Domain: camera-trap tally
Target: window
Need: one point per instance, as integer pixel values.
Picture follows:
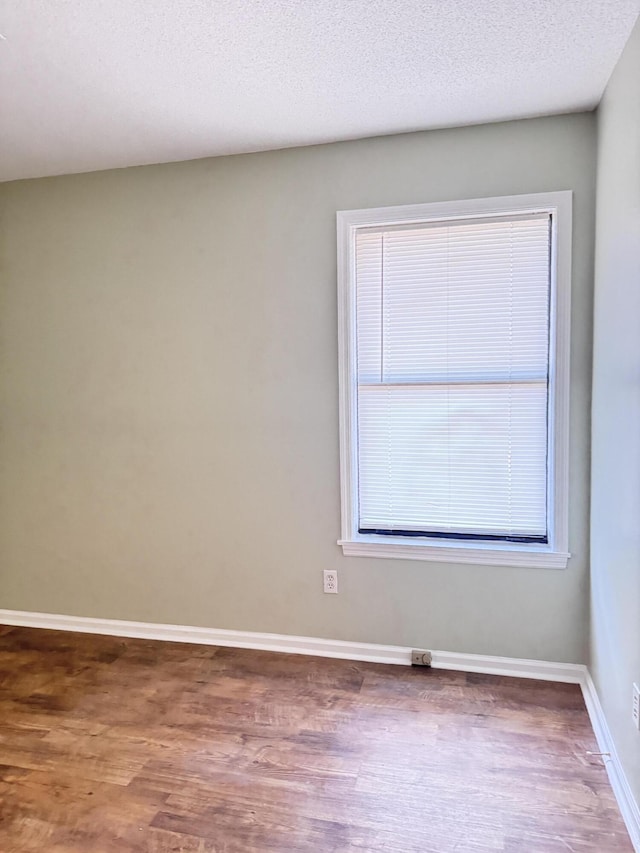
(454, 351)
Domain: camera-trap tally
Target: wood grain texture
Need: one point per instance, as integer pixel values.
(110, 744)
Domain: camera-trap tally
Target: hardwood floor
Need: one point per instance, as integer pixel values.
(130, 745)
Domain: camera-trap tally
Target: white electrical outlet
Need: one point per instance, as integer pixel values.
(330, 580)
(635, 708)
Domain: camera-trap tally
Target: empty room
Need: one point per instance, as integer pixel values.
(319, 426)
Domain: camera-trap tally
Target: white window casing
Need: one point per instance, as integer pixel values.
(454, 324)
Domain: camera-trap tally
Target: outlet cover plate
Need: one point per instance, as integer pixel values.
(420, 657)
(330, 580)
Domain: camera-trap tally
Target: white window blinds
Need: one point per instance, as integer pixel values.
(452, 328)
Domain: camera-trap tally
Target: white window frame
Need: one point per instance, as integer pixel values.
(535, 555)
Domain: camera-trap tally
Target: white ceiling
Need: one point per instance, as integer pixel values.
(95, 84)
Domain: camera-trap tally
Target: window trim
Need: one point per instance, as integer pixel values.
(555, 553)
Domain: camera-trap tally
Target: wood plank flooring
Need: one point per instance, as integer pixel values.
(110, 745)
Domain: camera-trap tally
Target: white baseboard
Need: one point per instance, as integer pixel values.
(372, 652)
(210, 636)
(541, 670)
(621, 789)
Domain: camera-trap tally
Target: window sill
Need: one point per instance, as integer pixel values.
(491, 554)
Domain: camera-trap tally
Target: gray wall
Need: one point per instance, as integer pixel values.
(168, 394)
(615, 515)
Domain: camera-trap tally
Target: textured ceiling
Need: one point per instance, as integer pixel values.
(94, 84)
